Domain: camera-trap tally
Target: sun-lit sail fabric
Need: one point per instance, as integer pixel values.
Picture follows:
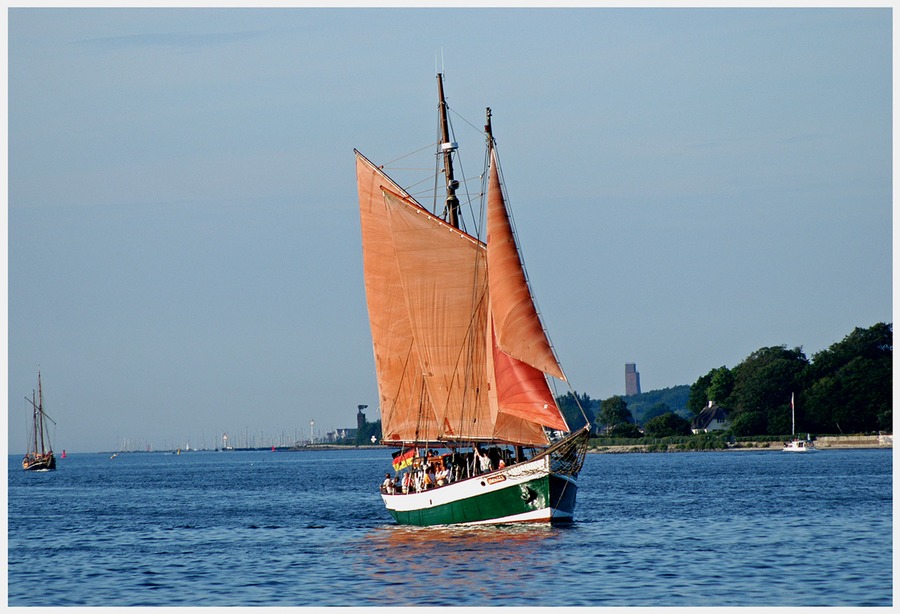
(426, 292)
(521, 353)
(522, 391)
(517, 324)
(442, 271)
(505, 413)
(406, 411)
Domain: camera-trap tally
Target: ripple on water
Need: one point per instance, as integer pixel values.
(308, 529)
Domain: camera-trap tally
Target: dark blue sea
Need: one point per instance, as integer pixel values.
(752, 528)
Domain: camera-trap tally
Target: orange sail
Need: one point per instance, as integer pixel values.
(522, 391)
(440, 376)
(520, 350)
(406, 413)
(443, 280)
(518, 326)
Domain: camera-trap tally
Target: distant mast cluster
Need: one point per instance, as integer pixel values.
(632, 379)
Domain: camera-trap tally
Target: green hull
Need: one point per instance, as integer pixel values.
(548, 498)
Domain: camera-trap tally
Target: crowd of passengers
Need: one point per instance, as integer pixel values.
(435, 470)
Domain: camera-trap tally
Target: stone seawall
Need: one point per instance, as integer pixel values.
(822, 443)
(855, 441)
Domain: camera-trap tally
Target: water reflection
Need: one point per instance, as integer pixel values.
(454, 565)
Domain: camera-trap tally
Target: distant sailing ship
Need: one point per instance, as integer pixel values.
(39, 456)
(461, 359)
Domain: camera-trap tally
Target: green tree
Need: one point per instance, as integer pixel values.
(720, 386)
(613, 411)
(763, 384)
(571, 405)
(368, 430)
(644, 404)
(749, 423)
(667, 425)
(626, 430)
(657, 410)
(848, 387)
(697, 398)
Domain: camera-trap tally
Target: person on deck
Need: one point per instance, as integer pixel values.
(420, 481)
(407, 482)
(443, 476)
(483, 461)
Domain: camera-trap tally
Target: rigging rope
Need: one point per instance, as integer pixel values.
(412, 153)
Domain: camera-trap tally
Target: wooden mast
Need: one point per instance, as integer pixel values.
(34, 420)
(40, 409)
(447, 148)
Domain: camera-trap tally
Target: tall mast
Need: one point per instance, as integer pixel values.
(447, 148)
(40, 410)
(792, 413)
(34, 422)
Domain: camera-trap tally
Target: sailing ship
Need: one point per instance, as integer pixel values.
(462, 359)
(796, 444)
(39, 456)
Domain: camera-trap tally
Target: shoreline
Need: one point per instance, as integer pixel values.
(826, 442)
(830, 442)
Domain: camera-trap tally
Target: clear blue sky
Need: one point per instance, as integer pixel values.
(184, 257)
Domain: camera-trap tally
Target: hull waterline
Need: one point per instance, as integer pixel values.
(542, 489)
(799, 446)
(41, 464)
(521, 493)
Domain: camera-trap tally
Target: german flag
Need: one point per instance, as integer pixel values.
(403, 459)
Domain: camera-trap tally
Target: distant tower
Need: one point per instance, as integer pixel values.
(360, 416)
(632, 379)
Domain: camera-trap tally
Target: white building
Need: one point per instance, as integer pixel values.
(712, 418)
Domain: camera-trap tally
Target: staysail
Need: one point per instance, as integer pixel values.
(439, 321)
(518, 327)
(520, 349)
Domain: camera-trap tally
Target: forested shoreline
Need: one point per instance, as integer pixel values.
(846, 388)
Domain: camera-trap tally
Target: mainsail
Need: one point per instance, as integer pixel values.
(460, 353)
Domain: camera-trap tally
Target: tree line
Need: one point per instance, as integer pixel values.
(845, 388)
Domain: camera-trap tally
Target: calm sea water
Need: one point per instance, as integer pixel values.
(309, 529)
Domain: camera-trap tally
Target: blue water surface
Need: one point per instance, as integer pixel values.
(751, 528)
